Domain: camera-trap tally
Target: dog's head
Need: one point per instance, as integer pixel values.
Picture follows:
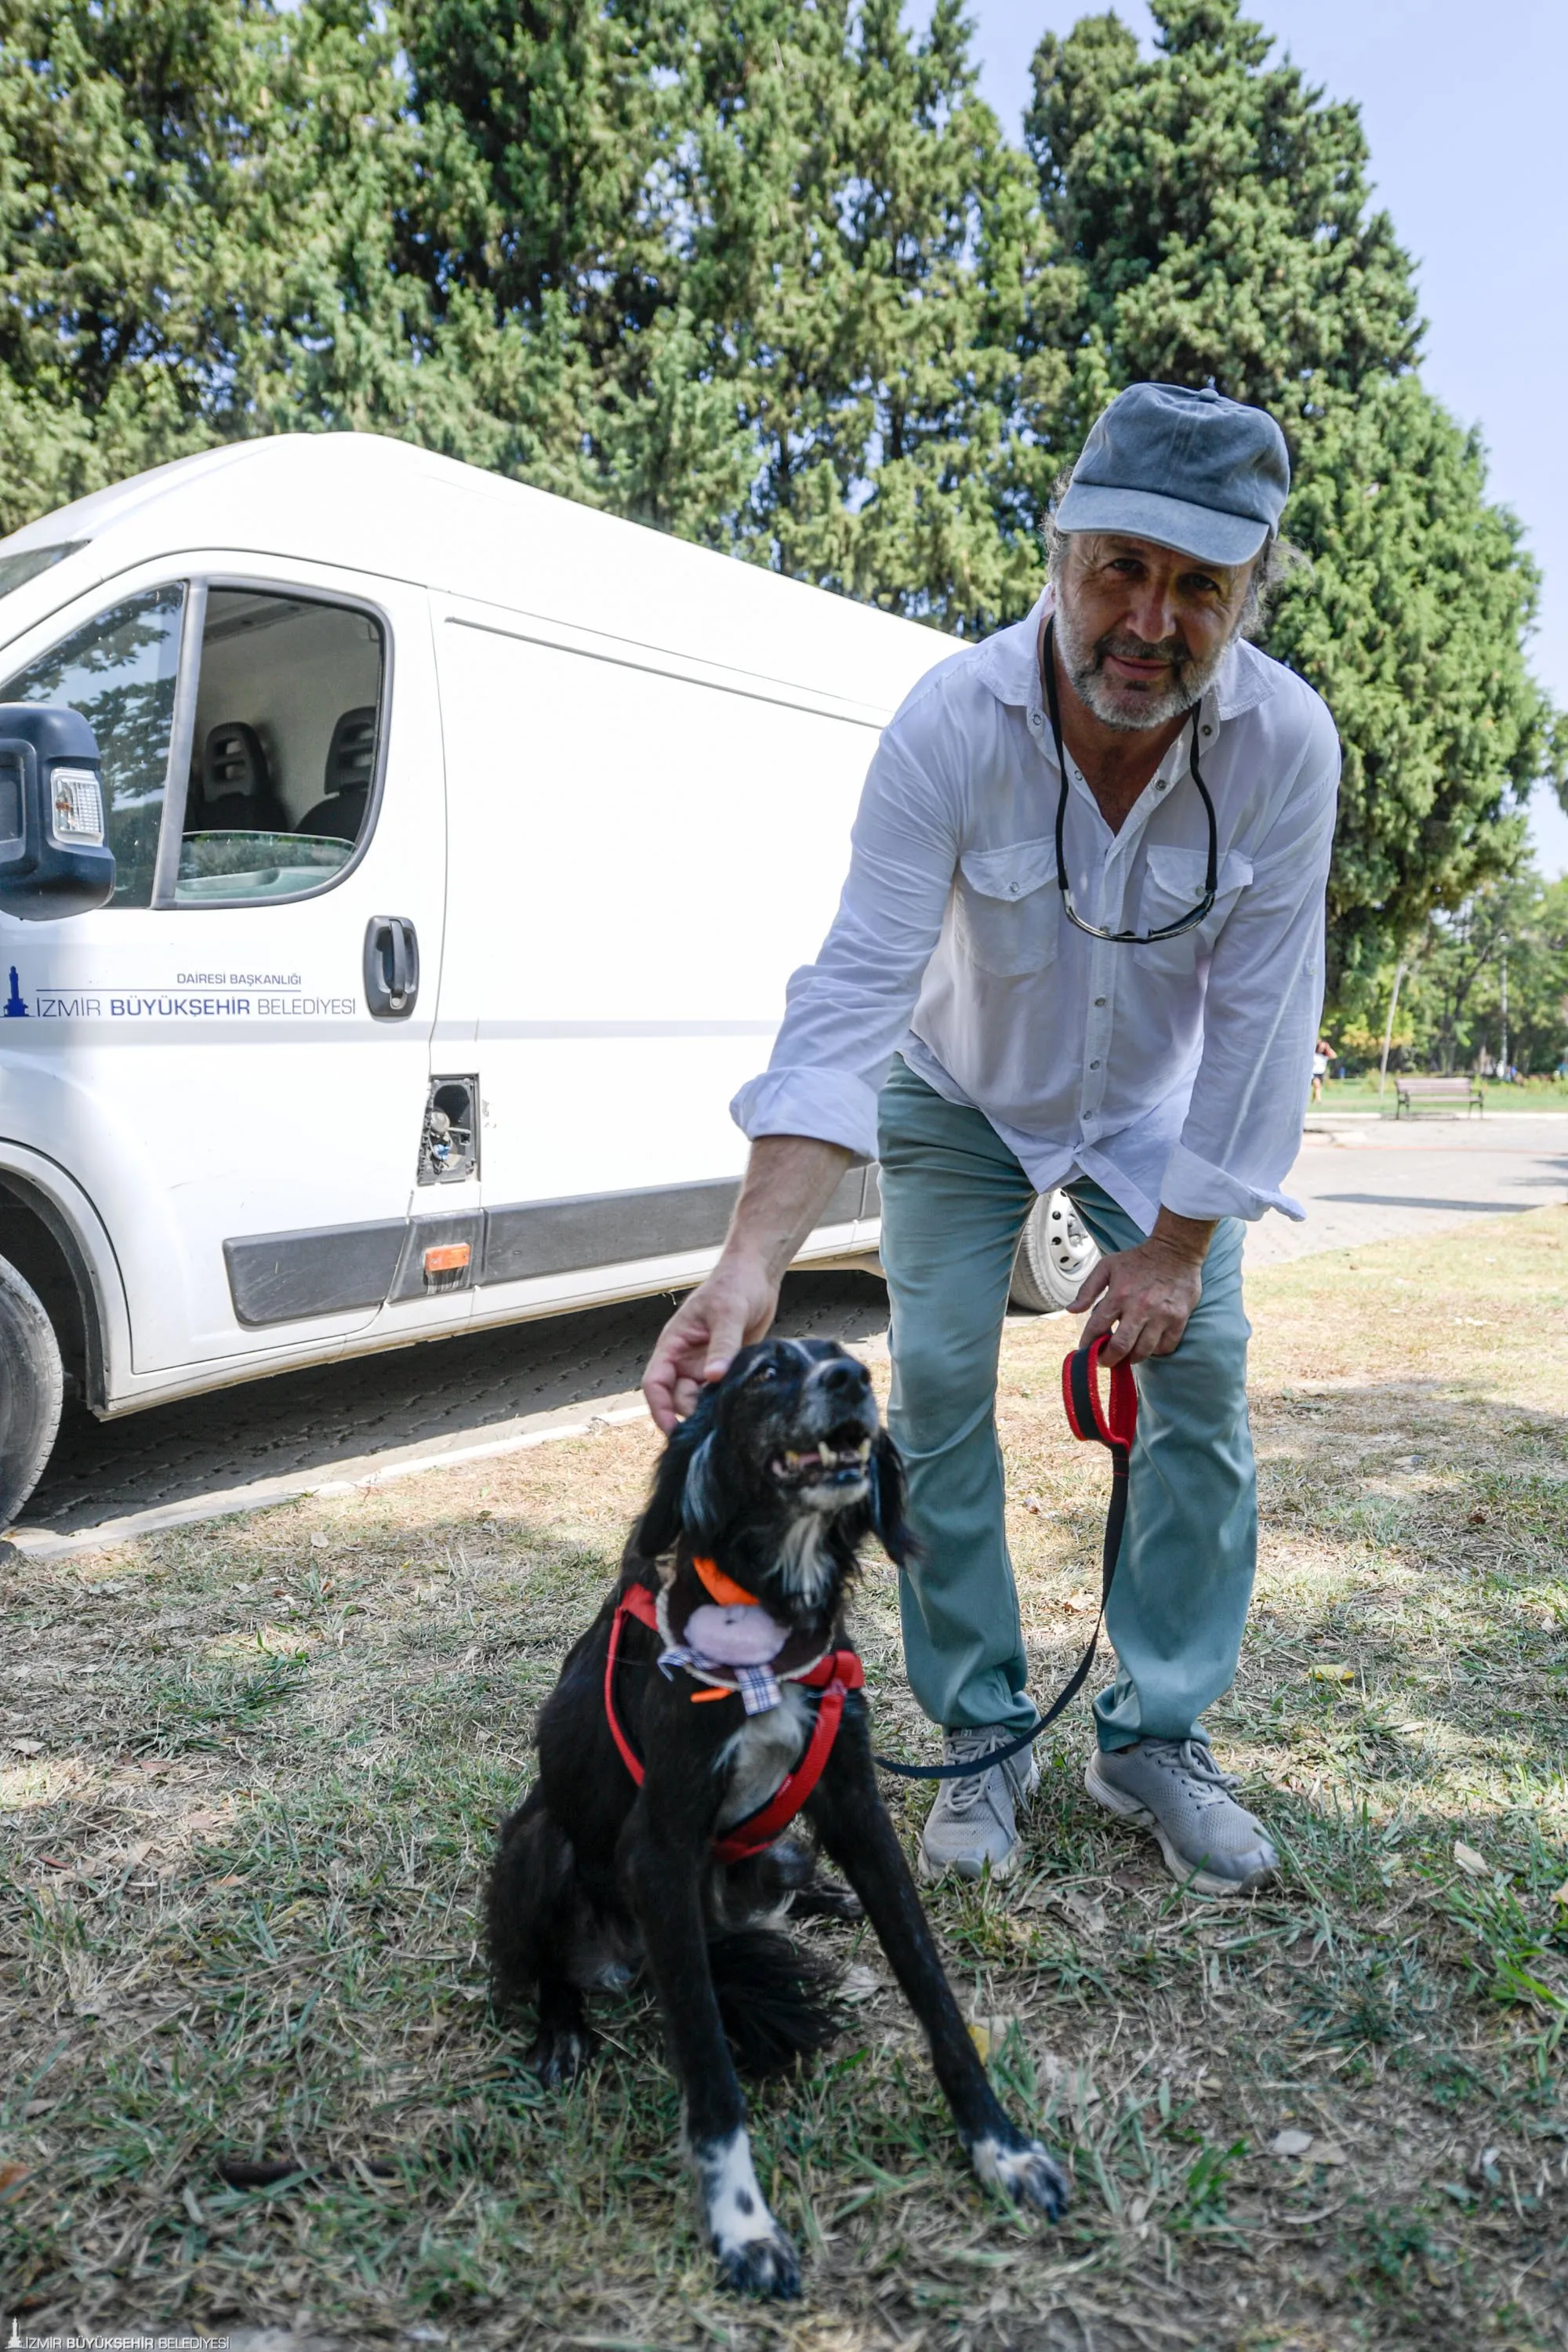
(785, 1462)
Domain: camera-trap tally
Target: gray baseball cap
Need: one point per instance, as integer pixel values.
(1189, 469)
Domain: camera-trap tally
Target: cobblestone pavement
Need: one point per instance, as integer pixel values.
(1362, 1180)
(440, 1397)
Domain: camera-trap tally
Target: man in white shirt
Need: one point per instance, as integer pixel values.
(1080, 944)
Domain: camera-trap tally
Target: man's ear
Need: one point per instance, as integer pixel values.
(885, 1504)
(681, 1485)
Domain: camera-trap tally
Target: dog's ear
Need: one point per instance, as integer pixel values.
(885, 1503)
(680, 1499)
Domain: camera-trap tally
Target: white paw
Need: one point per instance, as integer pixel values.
(760, 2266)
(754, 2254)
(1025, 2172)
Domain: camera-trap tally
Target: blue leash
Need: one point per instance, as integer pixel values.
(1115, 1429)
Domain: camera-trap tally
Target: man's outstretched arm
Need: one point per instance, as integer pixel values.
(789, 1182)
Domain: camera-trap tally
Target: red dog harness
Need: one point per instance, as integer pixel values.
(833, 1677)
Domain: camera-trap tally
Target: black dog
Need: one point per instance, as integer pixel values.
(766, 1491)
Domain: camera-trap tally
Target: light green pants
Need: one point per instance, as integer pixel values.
(953, 1203)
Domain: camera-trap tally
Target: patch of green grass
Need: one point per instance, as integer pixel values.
(246, 1833)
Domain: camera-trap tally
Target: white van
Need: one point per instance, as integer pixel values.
(463, 841)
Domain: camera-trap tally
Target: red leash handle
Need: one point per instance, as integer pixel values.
(1116, 1427)
(1087, 1417)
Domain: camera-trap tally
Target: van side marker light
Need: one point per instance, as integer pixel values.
(77, 805)
(450, 1257)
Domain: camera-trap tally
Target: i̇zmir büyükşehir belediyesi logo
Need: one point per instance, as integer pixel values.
(15, 1005)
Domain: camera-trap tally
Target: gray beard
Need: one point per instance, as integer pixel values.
(1132, 714)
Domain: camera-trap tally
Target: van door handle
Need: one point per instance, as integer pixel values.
(391, 967)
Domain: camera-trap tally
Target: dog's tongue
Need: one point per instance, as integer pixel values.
(742, 1635)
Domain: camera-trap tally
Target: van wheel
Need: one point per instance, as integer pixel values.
(1055, 1252)
(32, 1383)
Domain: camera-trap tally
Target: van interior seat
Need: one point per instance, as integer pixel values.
(351, 764)
(233, 790)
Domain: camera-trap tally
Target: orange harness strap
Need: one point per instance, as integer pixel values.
(832, 1679)
(721, 1587)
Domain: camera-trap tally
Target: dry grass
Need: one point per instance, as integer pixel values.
(250, 1774)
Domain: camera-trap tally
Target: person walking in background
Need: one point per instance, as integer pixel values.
(1080, 944)
(1322, 1054)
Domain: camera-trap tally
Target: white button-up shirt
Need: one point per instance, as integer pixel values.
(1176, 1073)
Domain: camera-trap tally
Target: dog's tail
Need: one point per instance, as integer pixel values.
(777, 2000)
(529, 1890)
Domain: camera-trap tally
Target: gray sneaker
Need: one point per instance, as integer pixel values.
(974, 1821)
(1174, 1789)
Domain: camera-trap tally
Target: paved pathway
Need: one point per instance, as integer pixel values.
(1362, 1180)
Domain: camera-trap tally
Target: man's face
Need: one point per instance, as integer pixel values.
(1140, 628)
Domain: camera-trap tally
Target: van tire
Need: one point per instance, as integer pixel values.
(32, 1386)
(1055, 1252)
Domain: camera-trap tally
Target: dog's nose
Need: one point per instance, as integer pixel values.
(844, 1377)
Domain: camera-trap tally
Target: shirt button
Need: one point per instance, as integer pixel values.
(1094, 1066)
(1099, 1000)
(1209, 731)
(1161, 785)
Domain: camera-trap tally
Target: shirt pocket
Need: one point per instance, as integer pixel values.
(1173, 886)
(1006, 915)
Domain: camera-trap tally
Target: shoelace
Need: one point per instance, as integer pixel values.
(962, 1795)
(1194, 1760)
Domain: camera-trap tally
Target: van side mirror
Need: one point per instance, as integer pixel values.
(53, 860)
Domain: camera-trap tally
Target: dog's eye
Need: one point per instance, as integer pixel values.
(764, 1372)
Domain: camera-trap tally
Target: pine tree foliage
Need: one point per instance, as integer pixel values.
(778, 260)
(1217, 210)
(770, 277)
(195, 232)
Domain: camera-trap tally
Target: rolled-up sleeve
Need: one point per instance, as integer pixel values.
(846, 1013)
(1261, 1011)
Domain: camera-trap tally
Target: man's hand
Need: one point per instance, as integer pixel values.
(1143, 1297)
(709, 1329)
(789, 1182)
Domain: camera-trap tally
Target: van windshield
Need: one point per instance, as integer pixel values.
(15, 570)
(118, 669)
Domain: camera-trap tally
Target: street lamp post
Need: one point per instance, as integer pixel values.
(1388, 1032)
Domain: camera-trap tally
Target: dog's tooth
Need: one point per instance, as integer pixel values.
(863, 1450)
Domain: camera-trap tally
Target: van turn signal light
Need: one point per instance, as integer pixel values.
(451, 1257)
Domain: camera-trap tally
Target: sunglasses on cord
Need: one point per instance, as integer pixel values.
(1211, 877)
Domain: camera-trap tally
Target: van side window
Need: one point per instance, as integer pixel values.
(283, 755)
(119, 671)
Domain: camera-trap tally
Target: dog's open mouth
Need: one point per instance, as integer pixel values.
(838, 1460)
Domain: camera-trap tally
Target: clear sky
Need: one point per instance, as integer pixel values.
(1464, 115)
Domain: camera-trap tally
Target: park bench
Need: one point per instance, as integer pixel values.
(1408, 1092)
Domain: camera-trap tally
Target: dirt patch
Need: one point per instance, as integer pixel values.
(250, 1775)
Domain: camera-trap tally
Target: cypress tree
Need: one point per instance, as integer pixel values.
(196, 209)
(1217, 215)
